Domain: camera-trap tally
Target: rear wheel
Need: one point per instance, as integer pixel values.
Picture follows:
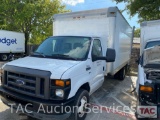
(120, 74)
(4, 57)
(81, 102)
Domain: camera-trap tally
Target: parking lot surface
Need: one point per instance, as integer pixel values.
(113, 94)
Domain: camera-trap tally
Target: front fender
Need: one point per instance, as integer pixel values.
(77, 83)
(141, 75)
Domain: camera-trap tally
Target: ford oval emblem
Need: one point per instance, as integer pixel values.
(20, 82)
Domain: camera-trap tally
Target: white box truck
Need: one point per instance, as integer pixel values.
(71, 65)
(11, 42)
(148, 87)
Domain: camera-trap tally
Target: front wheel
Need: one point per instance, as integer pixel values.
(80, 105)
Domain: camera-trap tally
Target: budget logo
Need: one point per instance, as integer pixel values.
(7, 41)
(147, 111)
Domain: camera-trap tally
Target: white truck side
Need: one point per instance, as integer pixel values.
(71, 65)
(147, 86)
(11, 42)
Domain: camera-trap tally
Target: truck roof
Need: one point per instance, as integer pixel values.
(150, 23)
(103, 11)
(76, 36)
(110, 12)
(10, 31)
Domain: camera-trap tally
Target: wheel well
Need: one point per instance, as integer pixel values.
(86, 87)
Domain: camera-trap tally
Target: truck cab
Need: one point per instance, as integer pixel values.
(148, 84)
(63, 71)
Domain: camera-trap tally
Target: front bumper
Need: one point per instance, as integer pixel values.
(142, 104)
(37, 108)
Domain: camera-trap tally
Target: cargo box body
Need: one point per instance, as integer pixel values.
(108, 24)
(11, 42)
(149, 32)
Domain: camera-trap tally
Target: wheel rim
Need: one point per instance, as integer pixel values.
(4, 57)
(82, 105)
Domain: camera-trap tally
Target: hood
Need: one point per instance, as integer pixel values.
(56, 66)
(151, 56)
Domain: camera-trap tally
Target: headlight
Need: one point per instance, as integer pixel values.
(59, 93)
(59, 89)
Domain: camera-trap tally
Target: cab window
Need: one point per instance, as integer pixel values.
(97, 48)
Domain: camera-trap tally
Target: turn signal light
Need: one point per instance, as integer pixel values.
(59, 83)
(146, 89)
(68, 83)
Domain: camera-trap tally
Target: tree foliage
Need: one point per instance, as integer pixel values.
(137, 33)
(146, 9)
(32, 17)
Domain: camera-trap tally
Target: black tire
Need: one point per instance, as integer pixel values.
(4, 57)
(81, 95)
(23, 116)
(116, 76)
(31, 118)
(120, 75)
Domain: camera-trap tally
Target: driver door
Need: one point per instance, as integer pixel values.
(97, 65)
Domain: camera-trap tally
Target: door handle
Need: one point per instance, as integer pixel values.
(88, 68)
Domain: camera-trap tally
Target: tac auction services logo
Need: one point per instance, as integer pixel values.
(7, 41)
(147, 111)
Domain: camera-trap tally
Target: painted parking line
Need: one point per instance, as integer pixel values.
(121, 103)
(130, 95)
(111, 110)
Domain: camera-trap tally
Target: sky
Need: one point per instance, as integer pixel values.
(79, 5)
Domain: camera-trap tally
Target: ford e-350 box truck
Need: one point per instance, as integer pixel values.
(71, 65)
(148, 83)
(11, 42)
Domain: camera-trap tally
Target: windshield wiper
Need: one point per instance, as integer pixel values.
(42, 54)
(63, 56)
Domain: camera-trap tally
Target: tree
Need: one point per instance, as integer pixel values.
(137, 33)
(146, 9)
(32, 17)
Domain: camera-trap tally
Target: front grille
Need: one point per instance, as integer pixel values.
(29, 86)
(153, 75)
(26, 81)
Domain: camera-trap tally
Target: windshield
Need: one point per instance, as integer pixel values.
(152, 43)
(149, 45)
(74, 48)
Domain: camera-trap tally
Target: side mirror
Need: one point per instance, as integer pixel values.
(94, 58)
(110, 55)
